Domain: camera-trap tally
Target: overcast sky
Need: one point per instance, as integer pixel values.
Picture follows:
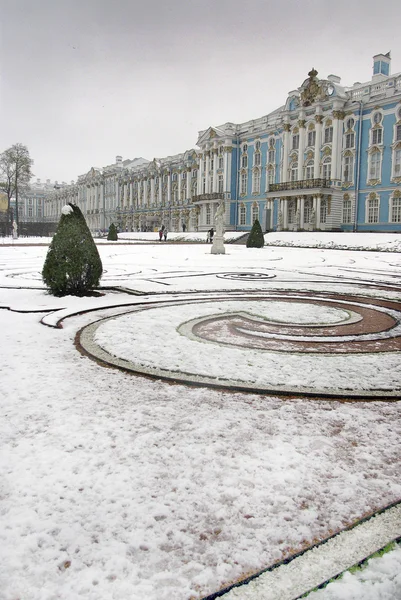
(83, 81)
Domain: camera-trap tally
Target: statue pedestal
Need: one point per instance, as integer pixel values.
(218, 245)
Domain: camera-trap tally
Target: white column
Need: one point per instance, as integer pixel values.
(285, 214)
(318, 203)
(301, 216)
(200, 174)
(179, 186)
(286, 150)
(152, 190)
(318, 144)
(215, 182)
(338, 117)
(302, 142)
(228, 156)
(189, 183)
(169, 188)
(207, 172)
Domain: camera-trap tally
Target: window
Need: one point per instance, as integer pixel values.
(244, 162)
(221, 184)
(323, 210)
(221, 162)
(375, 165)
(328, 135)
(39, 211)
(245, 148)
(270, 175)
(326, 168)
(294, 171)
(311, 138)
(244, 183)
(272, 156)
(377, 136)
(377, 117)
(397, 163)
(395, 211)
(291, 212)
(256, 159)
(184, 175)
(257, 146)
(255, 213)
(208, 214)
(350, 140)
(348, 168)
(195, 173)
(309, 170)
(347, 210)
(242, 215)
(30, 211)
(398, 133)
(373, 210)
(204, 185)
(350, 123)
(307, 210)
(295, 141)
(256, 182)
(211, 164)
(211, 184)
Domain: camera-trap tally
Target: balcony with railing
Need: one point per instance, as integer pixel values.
(302, 184)
(210, 197)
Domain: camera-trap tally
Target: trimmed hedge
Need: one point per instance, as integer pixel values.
(255, 239)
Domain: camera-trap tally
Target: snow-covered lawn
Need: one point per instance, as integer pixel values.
(119, 487)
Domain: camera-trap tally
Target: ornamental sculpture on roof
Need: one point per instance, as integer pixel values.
(312, 89)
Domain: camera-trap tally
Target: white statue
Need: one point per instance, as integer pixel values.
(15, 230)
(218, 238)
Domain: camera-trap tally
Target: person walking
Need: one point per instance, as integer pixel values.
(211, 234)
(165, 232)
(160, 234)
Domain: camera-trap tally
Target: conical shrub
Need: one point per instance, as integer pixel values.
(72, 266)
(255, 239)
(112, 234)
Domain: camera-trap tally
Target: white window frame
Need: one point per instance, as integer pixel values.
(375, 164)
(328, 134)
(294, 170)
(242, 214)
(311, 138)
(244, 184)
(326, 168)
(256, 176)
(396, 161)
(395, 209)
(347, 211)
(309, 169)
(372, 209)
(254, 213)
(348, 168)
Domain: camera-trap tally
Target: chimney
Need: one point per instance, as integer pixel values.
(381, 65)
(334, 78)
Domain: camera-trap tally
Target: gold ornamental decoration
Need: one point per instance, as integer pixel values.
(313, 90)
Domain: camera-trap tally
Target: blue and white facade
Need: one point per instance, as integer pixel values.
(328, 160)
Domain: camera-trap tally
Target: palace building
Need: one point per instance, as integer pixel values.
(328, 160)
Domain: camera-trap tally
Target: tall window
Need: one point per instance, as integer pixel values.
(348, 168)
(309, 169)
(221, 162)
(272, 156)
(397, 162)
(211, 184)
(350, 140)
(208, 214)
(255, 213)
(328, 135)
(221, 184)
(307, 210)
(294, 171)
(347, 210)
(256, 181)
(377, 136)
(373, 209)
(323, 210)
(244, 183)
(244, 161)
(397, 133)
(375, 165)
(242, 215)
(270, 175)
(256, 159)
(291, 212)
(295, 141)
(326, 168)
(311, 137)
(395, 209)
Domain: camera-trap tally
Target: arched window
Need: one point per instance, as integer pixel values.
(256, 181)
(395, 207)
(255, 212)
(295, 139)
(271, 176)
(309, 168)
(294, 171)
(291, 212)
(242, 214)
(307, 210)
(244, 183)
(328, 132)
(347, 209)
(396, 163)
(348, 171)
(221, 184)
(326, 168)
(375, 165)
(311, 135)
(372, 208)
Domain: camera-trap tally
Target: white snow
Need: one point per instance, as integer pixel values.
(119, 487)
(67, 209)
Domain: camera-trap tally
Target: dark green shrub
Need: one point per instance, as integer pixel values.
(72, 266)
(112, 235)
(255, 239)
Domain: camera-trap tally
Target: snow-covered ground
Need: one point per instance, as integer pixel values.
(115, 486)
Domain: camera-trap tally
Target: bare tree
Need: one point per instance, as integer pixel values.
(15, 174)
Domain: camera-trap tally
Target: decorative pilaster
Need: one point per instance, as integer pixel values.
(169, 188)
(318, 144)
(338, 117)
(207, 174)
(215, 182)
(286, 150)
(227, 167)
